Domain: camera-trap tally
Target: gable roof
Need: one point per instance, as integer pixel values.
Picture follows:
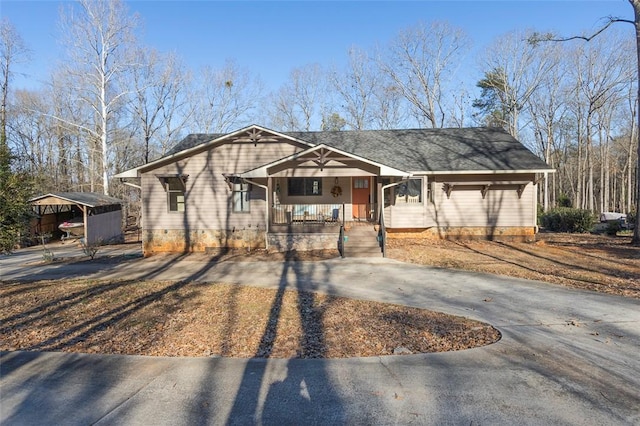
(198, 142)
(479, 149)
(263, 171)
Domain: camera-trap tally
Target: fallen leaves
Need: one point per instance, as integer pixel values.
(593, 262)
(198, 319)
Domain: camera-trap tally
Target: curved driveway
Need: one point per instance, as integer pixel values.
(566, 357)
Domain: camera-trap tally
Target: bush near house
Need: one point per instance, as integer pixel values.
(566, 219)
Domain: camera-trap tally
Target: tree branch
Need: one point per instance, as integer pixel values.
(538, 37)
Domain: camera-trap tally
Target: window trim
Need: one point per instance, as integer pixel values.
(402, 200)
(182, 192)
(244, 191)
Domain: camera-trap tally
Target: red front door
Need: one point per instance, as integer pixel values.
(360, 193)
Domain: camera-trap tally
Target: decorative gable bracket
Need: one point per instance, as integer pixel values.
(448, 187)
(254, 136)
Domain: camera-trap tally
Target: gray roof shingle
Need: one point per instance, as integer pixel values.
(419, 150)
(192, 140)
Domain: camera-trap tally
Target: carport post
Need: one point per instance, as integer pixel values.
(84, 221)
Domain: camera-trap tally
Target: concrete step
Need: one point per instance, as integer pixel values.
(362, 242)
(362, 252)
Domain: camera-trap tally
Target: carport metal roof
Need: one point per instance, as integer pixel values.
(87, 199)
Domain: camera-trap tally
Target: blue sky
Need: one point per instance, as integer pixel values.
(272, 37)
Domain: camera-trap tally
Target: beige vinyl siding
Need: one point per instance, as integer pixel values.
(412, 216)
(466, 207)
(500, 207)
(208, 197)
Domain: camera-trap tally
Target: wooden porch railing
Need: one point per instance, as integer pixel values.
(306, 213)
(364, 212)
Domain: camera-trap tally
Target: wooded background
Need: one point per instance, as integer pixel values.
(112, 103)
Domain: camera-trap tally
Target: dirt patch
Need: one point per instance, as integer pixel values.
(204, 319)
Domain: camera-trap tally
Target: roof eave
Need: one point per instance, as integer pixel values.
(136, 172)
(480, 172)
(131, 173)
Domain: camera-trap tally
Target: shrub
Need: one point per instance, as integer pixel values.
(566, 219)
(563, 201)
(613, 227)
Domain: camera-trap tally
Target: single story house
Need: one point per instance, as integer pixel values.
(256, 187)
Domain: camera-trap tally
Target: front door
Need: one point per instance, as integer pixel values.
(360, 197)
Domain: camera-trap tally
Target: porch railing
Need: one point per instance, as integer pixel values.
(306, 213)
(364, 212)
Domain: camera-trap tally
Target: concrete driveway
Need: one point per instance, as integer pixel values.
(566, 357)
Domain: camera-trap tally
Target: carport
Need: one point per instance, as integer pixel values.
(101, 215)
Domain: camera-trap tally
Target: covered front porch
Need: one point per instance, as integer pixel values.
(320, 188)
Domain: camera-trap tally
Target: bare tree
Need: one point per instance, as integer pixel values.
(547, 110)
(159, 104)
(224, 99)
(421, 61)
(98, 36)
(514, 69)
(599, 74)
(302, 99)
(356, 88)
(12, 50)
(635, 4)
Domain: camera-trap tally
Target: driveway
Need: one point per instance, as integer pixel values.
(566, 357)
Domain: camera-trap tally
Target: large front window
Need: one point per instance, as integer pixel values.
(409, 192)
(304, 186)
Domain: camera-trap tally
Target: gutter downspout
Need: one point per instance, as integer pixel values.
(266, 216)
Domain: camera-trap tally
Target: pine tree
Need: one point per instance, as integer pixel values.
(16, 187)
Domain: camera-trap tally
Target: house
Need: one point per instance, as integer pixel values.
(257, 187)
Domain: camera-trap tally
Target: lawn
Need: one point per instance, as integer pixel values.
(208, 319)
(163, 318)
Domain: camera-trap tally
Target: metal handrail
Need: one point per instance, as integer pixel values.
(382, 233)
(341, 241)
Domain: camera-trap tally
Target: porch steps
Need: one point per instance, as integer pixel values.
(362, 241)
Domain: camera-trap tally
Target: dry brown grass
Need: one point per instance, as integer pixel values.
(586, 261)
(197, 319)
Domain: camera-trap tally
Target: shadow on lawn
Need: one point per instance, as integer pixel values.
(78, 332)
(564, 266)
(313, 397)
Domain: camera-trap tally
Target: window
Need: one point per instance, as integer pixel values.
(304, 186)
(409, 192)
(361, 183)
(241, 196)
(175, 194)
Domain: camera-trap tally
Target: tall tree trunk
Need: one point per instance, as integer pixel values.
(636, 232)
